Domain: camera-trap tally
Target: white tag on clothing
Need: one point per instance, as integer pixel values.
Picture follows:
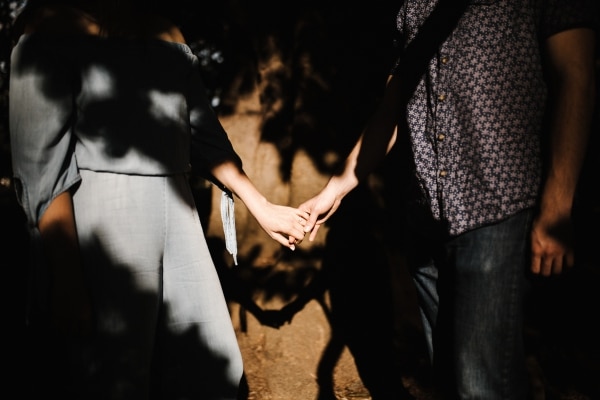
(228, 218)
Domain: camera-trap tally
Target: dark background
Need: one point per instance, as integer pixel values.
(336, 59)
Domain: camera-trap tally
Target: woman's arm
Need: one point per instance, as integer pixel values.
(70, 302)
(283, 224)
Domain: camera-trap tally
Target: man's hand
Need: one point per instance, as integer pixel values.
(320, 207)
(552, 246)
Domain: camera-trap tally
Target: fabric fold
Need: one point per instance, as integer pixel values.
(228, 218)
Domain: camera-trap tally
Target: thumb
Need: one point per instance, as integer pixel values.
(311, 222)
(313, 234)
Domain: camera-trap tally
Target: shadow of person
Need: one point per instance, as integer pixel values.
(357, 271)
(354, 287)
(355, 260)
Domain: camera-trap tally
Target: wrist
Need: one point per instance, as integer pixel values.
(340, 186)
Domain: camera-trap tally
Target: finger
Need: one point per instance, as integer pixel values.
(535, 265)
(318, 222)
(305, 208)
(311, 222)
(557, 266)
(313, 233)
(283, 240)
(303, 214)
(299, 235)
(293, 241)
(313, 219)
(301, 222)
(570, 260)
(294, 231)
(546, 266)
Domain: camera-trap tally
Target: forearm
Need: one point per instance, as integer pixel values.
(568, 143)
(59, 236)
(282, 223)
(346, 179)
(376, 141)
(571, 111)
(236, 180)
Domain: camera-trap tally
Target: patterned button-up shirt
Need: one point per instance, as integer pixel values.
(475, 119)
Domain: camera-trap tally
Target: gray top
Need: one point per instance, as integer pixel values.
(131, 106)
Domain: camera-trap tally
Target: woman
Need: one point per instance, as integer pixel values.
(108, 116)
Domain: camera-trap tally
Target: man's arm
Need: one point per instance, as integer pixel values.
(377, 139)
(570, 65)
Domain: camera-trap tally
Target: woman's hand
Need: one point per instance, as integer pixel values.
(282, 223)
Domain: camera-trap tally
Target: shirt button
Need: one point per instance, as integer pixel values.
(442, 97)
(441, 137)
(443, 173)
(444, 60)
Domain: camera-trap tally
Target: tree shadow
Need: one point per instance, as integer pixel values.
(356, 290)
(48, 359)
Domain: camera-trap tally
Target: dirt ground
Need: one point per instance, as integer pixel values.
(341, 295)
(307, 322)
(287, 363)
(296, 335)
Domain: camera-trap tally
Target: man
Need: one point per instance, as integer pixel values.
(492, 101)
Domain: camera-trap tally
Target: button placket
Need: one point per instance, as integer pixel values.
(442, 97)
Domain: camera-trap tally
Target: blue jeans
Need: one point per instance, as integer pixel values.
(471, 291)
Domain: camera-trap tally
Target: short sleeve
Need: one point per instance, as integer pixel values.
(561, 15)
(41, 114)
(210, 144)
